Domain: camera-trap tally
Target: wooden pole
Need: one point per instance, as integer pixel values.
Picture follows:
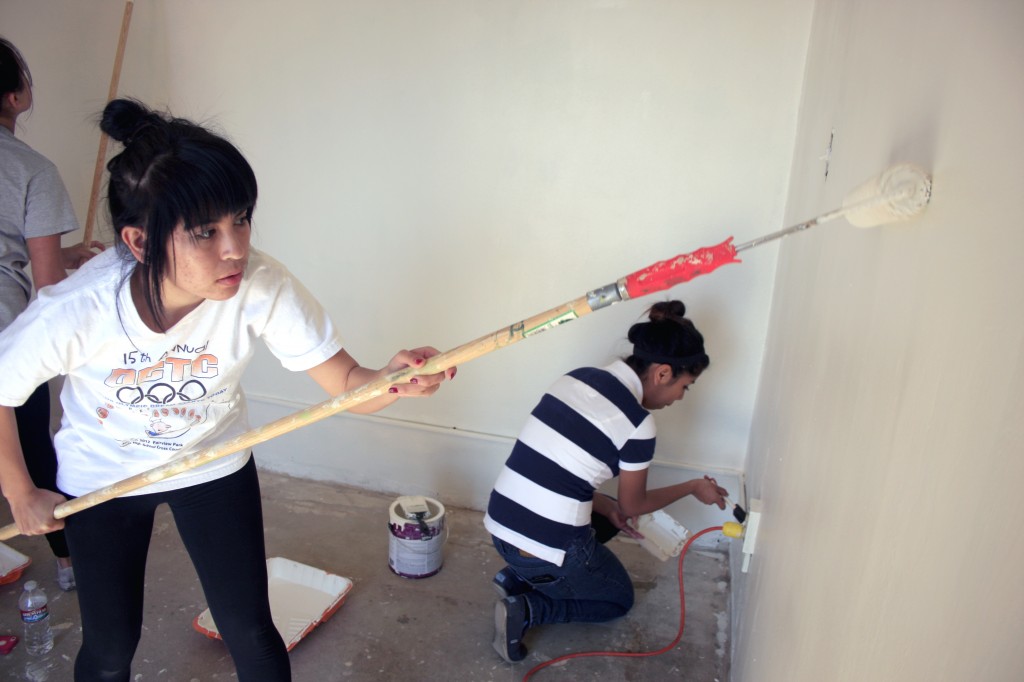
(657, 277)
(101, 155)
(439, 363)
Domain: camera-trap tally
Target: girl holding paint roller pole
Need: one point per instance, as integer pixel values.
(546, 517)
(153, 337)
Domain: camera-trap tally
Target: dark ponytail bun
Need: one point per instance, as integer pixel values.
(14, 73)
(673, 311)
(123, 118)
(669, 338)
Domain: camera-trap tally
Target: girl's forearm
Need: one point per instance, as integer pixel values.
(658, 498)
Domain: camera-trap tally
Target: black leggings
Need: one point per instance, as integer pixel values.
(40, 459)
(221, 525)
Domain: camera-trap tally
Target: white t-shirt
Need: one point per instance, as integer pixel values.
(135, 399)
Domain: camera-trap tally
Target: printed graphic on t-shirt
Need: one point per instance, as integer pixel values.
(155, 404)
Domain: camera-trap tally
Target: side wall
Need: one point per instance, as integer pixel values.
(887, 440)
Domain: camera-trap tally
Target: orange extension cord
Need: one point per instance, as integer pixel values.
(630, 654)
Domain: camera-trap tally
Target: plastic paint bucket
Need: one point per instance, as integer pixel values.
(417, 536)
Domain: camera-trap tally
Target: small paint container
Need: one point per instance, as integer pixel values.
(417, 536)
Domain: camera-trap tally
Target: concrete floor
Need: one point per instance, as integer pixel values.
(393, 628)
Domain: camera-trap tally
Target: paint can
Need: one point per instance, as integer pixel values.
(418, 533)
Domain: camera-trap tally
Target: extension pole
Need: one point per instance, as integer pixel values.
(657, 277)
(900, 193)
(101, 155)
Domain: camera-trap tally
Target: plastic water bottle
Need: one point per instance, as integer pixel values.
(36, 616)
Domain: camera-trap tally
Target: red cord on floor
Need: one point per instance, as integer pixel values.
(630, 654)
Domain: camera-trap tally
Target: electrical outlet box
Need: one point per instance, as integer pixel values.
(750, 534)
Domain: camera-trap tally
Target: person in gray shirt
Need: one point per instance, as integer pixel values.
(35, 211)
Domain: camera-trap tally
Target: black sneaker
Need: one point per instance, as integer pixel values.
(509, 628)
(508, 584)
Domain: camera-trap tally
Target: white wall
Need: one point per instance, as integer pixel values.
(437, 171)
(887, 441)
(69, 47)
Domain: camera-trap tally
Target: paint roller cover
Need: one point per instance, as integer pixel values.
(668, 273)
(900, 193)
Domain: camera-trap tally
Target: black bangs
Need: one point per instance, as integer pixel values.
(206, 183)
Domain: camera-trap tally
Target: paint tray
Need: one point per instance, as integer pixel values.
(664, 537)
(12, 564)
(301, 597)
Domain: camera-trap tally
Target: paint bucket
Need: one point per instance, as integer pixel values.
(418, 533)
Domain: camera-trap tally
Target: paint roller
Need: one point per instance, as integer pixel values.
(900, 193)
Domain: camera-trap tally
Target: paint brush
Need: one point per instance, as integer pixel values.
(737, 511)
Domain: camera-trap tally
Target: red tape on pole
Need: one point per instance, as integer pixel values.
(684, 267)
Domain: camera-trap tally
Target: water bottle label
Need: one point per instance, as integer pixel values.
(35, 615)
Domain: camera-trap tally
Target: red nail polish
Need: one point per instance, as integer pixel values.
(414, 380)
(392, 390)
(419, 361)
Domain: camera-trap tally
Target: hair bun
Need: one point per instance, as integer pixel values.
(663, 311)
(123, 118)
(668, 338)
(667, 310)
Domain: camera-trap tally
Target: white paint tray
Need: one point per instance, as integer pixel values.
(12, 564)
(664, 537)
(301, 597)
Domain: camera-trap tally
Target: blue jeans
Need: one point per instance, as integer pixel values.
(591, 585)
